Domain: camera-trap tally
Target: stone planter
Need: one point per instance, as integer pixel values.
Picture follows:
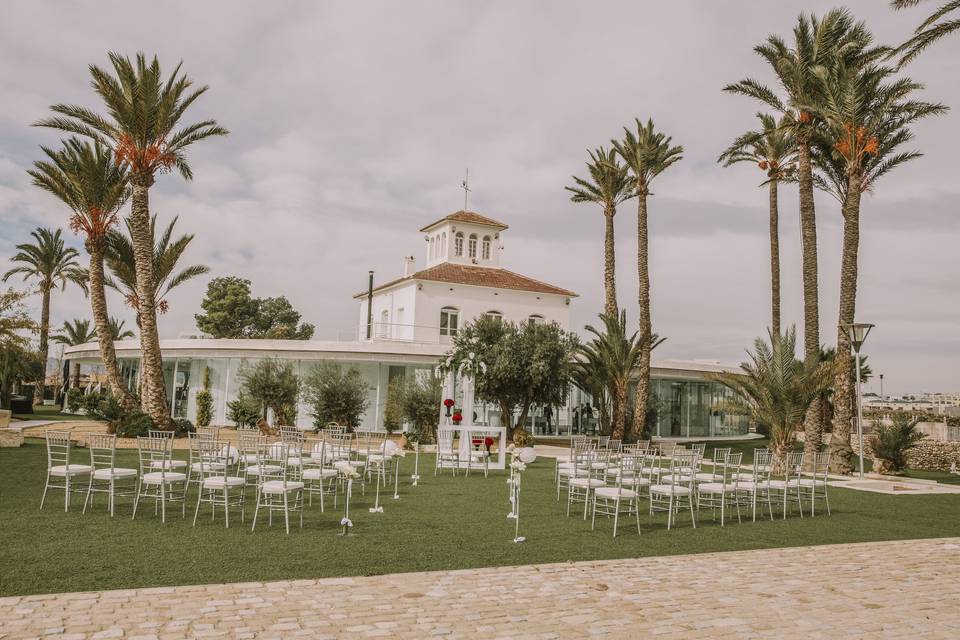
(5, 418)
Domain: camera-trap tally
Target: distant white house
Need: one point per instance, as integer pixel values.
(461, 281)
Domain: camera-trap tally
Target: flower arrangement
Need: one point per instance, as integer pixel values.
(448, 403)
(346, 469)
(457, 416)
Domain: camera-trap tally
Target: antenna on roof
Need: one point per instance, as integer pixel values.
(465, 185)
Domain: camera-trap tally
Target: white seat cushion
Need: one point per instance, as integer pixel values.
(751, 486)
(357, 463)
(667, 489)
(586, 482)
(633, 481)
(115, 473)
(613, 492)
(810, 482)
(317, 474)
(64, 470)
(249, 458)
(276, 486)
(218, 482)
(715, 487)
(708, 477)
(565, 473)
(168, 464)
(615, 471)
(375, 457)
(206, 466)
(480, 454)
(262, 469)
(683, 478)
(156, 477)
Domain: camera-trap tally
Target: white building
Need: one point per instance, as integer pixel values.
(414, 318)
(461, 281)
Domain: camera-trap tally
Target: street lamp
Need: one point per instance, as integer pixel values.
(857, 332)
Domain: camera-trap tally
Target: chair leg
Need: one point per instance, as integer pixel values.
(593, 519)
(226, 508)
(66, 495)
(256, 510)
(197, 510)
(616, 512)
(46, 486)
(163, 502)
(86, 499)
(693, 516)
(136, 498)
(286, 513)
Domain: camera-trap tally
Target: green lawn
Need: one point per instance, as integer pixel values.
(43, 412)
(445, 523)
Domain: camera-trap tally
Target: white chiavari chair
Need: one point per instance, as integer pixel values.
(106, 475)
(60, 471)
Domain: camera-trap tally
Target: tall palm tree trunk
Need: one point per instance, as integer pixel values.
(843, 373)
(153, 398)
(774, 258)
(101, 319)
(619, 417)
(44, 341)
(813, 421)
(609, 263)
(643, 364)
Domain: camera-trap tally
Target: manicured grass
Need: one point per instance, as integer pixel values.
(44, 412)
(444, 523)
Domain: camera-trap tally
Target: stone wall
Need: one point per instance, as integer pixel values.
(928, 454)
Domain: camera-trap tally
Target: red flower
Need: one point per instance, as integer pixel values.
(457, 417)
(488, 441)
(448, 403)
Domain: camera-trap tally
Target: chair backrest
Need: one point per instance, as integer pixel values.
(821, 465)
(315, 451)
(375, 442)
(615, 445)
(340, 445)
(730, 468)
(155, 454)
(208, 433)
(58, 448)
(700, 448)
(667, 449)
(602, 441)
(642, 444)
(794, 465)
(445, 440)
(103, 450)
(720, 455)
(159, 433)
(214, 458)
(291, 434)
(762, 465)
(680, 464)
(247, 442)
(272, 460)
(630, 464)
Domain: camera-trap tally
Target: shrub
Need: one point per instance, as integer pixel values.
(204, 407)
(244, 412)
(335, 394)
(74, 400)
(182, 427)
(393, 416)
(890, 443)
(91, 403)
(522, 437)
(134, 425)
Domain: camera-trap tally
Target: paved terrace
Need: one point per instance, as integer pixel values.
(873, 590)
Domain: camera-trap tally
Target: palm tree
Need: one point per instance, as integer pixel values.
(647, 153)
(145, 132)
(166, 255)
(607, 364)
(75, 333)
(940, 23)
(84, 176)
(117, 332)
(50, 262)
(608, 186)
(815, 43)
(866, 114)
(773, 149)
(775, 389)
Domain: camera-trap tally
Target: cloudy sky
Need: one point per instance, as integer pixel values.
(352, 123)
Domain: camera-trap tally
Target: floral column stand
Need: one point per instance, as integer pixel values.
(397, 454)
(416, 464)
(521, 458)
(347, 473)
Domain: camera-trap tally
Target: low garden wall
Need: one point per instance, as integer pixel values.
(928, 454)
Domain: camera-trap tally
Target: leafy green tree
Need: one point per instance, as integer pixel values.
(167, 274)
(49, 262)
(523, 365)
(647, 153)
(608, 363)
(75, 333)
(609, 185)
(205, 401)
(775, 389)
(866, 114)
(87, 179)
(773, 149)
(421, 407)
(17, 361)
(272, 383)
(144, 129)
(244, 411)
(231, 312)
(942, 22)
(816, 43)
(393, 416)
(335, 394)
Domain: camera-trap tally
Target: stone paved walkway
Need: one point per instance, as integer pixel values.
(906, 589)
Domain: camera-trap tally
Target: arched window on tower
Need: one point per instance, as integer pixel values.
(495, 315)
(485, 248)
(449, 321)
(443, 245)
(430, 252)
(458, 244)
(472, 245)
(536, 319)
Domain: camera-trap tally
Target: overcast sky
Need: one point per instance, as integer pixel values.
(351, 125)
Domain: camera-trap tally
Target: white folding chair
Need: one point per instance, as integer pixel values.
(814, 487)
(447, 455)
(786, 490)
(281, 490)
(317, 470)
(755, 487)
(59, 468)
(607, 501)
(157, 480)
(218, 486)
(719, 493)
(106, 475)
(676, 489)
